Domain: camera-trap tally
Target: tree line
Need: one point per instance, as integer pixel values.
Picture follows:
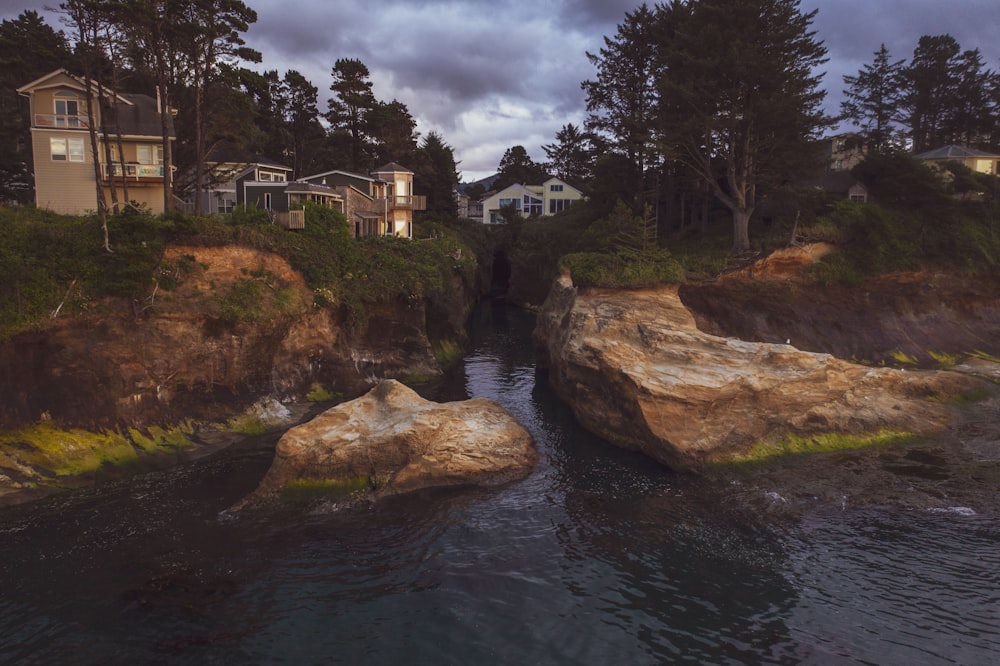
(692, 103)
(192, 57)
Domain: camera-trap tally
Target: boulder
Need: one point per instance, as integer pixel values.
(392, 441)
(636, 370)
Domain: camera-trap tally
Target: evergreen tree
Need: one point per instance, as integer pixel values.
(393, 132)
(872, 99)
(932, 82)
(516, 166)
(436, 176)
(349, 107)
(973, 114)
(741, 101)
(622, 99)
(571, 158)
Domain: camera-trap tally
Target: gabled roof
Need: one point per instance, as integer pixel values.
(343, 173)
(139, 116)
(391, 167)
(57, 79)
(953, 153)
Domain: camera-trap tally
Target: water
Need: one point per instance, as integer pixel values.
(599, 557)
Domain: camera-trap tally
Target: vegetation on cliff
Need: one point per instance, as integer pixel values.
(52, 265)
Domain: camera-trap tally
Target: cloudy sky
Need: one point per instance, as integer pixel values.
(488, 75)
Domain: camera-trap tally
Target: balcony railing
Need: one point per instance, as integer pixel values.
(59, 120)
(118, 170)
(415, 202)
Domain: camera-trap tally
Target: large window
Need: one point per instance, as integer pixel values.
(149, 154)
(511, 202)
(532, 206)
(558, 205)
(66, 150)
(67, 110)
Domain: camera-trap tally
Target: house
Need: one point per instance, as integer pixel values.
(977, 160)
(223, 167)
(549, 198)
(840, 184)
(842, 152)
(130, 150)
(380, 204)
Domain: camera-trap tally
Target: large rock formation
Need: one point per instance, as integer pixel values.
(636, 370)
(392, 441)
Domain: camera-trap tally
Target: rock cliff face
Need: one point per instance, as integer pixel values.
(637, 370)
(392, 441)
(182, 359)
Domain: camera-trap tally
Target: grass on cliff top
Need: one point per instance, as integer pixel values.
(55, 265)
(818, 443)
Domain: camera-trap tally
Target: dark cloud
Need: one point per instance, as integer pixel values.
(490, 74)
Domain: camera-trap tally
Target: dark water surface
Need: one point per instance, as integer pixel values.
(599, 557)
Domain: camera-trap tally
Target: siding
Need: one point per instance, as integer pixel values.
(63, 187)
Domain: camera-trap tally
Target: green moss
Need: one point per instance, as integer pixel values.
(447, 353)
(819, 443)
(903, 357)
(72, 452)
(157, 439)
(315, 489)
(248, 424)
(319, 393)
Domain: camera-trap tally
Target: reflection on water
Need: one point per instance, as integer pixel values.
(600, 556)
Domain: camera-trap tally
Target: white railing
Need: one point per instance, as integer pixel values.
(133, 170)
(59, 120)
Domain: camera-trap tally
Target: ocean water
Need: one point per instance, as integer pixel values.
(600, 556)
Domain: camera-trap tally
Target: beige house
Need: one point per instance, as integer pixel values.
(61, 146)
(977, 160)
(549, 198)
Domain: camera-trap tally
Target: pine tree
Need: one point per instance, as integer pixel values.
(872, 99)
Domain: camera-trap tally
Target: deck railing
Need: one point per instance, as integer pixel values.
(60, 120)
(117, 170)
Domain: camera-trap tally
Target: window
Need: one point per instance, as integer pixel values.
(148, 154)
(264, 177)
(558, 205)
(66, 150)
(511, 202)
(267, 200)
(532, 206)
(555, 188)
(226, 205)
(67, 110)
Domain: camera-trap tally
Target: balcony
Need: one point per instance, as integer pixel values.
(138, 172)
(61, 121)
(415, 202)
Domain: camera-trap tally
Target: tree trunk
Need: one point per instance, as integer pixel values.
(741, 230)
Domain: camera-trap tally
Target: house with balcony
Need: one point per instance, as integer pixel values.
(551, 197)
(130, 146)
(380, 204)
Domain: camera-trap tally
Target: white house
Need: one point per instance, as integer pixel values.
(549, 198)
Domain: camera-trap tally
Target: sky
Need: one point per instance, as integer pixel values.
(487, 75)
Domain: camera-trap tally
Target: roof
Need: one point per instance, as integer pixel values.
(391, 167)
(228, 154)
(343, 173)
(300, 187)
(139, 117)
(953, 153)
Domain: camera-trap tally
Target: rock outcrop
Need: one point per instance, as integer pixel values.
(392, 441)
(636, 369)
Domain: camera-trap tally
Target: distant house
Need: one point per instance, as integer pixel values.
(380, 204)
(841, 184)
(842, 152)
(977, 160)
(549, 198)
(129, 130)
(223, 167)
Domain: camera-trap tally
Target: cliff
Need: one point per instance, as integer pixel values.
(198, 351)
(638, 369)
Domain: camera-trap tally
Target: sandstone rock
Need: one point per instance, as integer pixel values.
(391, 441)
(636, 370)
